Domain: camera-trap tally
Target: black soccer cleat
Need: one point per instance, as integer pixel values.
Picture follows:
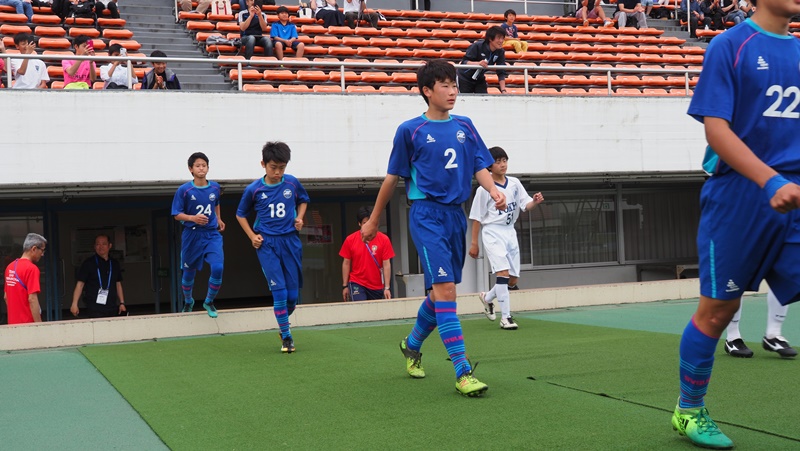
(737, 348)
(779, 345)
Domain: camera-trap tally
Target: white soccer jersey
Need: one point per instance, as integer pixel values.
(484, 211)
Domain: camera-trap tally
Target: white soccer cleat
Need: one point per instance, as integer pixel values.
(508, 323)
(488, 307)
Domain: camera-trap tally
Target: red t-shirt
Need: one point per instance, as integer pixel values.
(22, 279)
(363, 268)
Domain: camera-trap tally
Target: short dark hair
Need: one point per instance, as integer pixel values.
(114, 48)
(22, 37)
(276, 151)
(197, 155)
(498, 152)
(509, 12)
(494, 32)
(433, 71)
(78, 40)
(158, 54)
(282, 9)
(107, 237)
(363, 212)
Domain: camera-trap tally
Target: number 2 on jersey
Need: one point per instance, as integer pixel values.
(452, 154)
(789, 112)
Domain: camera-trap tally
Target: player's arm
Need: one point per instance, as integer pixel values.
(738, 156)
(301, 213)
(370, 228)
(346, 278)
(473, 247)
(36, 310)
(387, 274)
(76, 296)
(121, 297)
(255, 239)
(538, 198)
(484, 178)
(221, 225)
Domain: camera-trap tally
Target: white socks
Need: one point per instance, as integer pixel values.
(776, 313)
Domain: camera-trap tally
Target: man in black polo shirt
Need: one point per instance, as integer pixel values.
(488, 52)
(100, 282)
(630, 9)
(253, 24)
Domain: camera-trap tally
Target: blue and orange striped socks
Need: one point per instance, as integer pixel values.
(452, 337)
(696, 362)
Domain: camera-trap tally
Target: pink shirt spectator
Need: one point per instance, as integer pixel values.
(81, 75)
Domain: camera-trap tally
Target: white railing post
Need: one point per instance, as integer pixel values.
(341, 74)
(239, 73)
(130, 74)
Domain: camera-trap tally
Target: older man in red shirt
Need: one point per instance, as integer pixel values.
(366, 269)
(22, 282)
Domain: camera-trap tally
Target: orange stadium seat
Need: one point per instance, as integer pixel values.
(327, 40)
(247, 74)
(54, 43)
(371, 52)
(106, 22)
(50, 32)
(312, 75)
(393, 90)
(344, 31)
(199, 25)
(13, 18)
(361, 89)
(220, 17)
(258, 88)
(375, 77)
(544, 91)
(381, 42)
(342, 51)
(331, 89)
(46, 19)
(228, 27)
(367, 31)
(191, 15)
(294, 88)
(57, 85)
(129, 44)
(88, 32)
(83, 21)
(279, 75)
(399, 52)
(111, 33)
(404, 77)
(355, 41)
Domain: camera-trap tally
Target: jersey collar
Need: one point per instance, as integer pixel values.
(755, 26)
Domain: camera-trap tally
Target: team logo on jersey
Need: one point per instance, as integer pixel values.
(212, 197)
(430, 139)
(193, 198)
(762, 63)
(374, 248)
(263, 196)
(287, 193)
(461, 137)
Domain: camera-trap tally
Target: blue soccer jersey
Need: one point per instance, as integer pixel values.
(438, 159)
(751, 78)
(275, 205)
(192, 200)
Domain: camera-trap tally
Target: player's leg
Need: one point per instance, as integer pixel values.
(273, 271)
(411, 345)
(191, 260)
(495, 251)
(216, 260)
(506, 320)
(784, 283)
(734, 345)
(773, 339)
(291, 258)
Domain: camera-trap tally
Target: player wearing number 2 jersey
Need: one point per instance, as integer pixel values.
(196, 206)
(748, 98)
(280, 202)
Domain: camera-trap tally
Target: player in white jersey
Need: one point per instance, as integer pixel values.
(500, 244)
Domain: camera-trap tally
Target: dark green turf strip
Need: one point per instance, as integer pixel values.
(346, 388)
(83, 413)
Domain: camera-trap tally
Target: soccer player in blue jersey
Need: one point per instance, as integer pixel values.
(747, 98)
(280, 203)
(437, 154)
(196, 206)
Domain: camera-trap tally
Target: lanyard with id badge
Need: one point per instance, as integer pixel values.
(102, 293)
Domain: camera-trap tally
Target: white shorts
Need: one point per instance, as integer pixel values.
(500, 246)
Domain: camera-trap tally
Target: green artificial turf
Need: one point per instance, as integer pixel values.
(552, 386)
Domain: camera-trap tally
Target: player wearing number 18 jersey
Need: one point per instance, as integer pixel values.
(196, 206)
(748, 98)
(280, 202)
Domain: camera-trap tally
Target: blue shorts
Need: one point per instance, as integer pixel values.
(439, 232)
(362, 293)
(198, 245)
(741, 241)
(293, 45)
(281, 258)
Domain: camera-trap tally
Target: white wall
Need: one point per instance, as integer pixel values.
(65, 138)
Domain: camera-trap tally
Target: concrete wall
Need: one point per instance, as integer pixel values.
(67, 139)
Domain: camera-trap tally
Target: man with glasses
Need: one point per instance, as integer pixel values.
(22, 282)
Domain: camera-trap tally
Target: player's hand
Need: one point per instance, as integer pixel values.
(786, 199)
(499, 201)
(387, 293)
(122, 309)
(538, 198)
(200, 219)
(368, 231)
(74, 310)
(298, 224)
(220, 225)
(346, 294)
(473, 250)
(257, 241)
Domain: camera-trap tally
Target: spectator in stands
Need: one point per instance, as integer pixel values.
(79, 74)
(82, 8)
(22, 282)
(713, 12)
(747, 7)
(630, 9)
(591, 9)
(28, 73)
(243, 4)
(356, 10)
(112, 8)
(366, 267)
(327, 12)
(253, 24)
(488, 52)
(512, 36)
(160, 77)
(22, 7)
(115, 73)
(698, 19)
(99, 282)
(202, 5)
(648, 7)
(730, 9)
(284, 34)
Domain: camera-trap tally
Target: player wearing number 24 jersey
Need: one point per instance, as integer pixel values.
(279, 201)
(748, 98)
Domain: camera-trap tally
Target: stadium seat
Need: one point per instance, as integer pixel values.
(544, 91)
(341, 30)
(312, 75)
(361, 89)
(105, 22)
(258, 88)
(279, 75)
(393, 90)
(46, 19)
(378, 41)
(13, 18)
(191, 15)
(247, 74)
(54, 43)
(327, 40)
(111, 33)
(294, 88)
(82, 21)
(88, 32)
(10, 29)
(367, 31)
(220, 17)
(228, 27)
(57, 85)
(355, 41)
(50, 32)
(371, 52)
(129, 44)
(199, 25)
(399, 52)
(404, 77)
(375, 77)
(331, 89)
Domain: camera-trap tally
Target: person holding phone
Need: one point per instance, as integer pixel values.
(80, 74)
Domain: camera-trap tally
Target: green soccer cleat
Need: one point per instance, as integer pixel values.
(700, 428)
(413, 360)
(187, 306)
(468, 385)
(212, 311)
